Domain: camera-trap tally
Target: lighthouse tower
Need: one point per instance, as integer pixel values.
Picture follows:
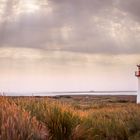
(137, 74)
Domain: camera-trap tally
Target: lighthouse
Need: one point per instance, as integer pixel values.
(137, 74)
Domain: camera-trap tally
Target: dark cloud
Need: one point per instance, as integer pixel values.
(90, 26)
(131, 7)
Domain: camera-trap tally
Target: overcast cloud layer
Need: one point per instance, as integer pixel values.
(86, 26)
(56, 45)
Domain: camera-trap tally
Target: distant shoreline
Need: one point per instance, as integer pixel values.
(59, 93)
(89, 98)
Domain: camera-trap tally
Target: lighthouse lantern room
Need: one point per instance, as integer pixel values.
(137, 74)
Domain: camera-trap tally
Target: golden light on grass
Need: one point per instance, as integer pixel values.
(52, 119)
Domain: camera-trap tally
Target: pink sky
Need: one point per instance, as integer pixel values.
(51, 45)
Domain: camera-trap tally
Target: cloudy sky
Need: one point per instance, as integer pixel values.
(57, 45)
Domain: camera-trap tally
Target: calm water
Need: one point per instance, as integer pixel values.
(73, 93)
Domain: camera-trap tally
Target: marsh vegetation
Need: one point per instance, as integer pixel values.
(69, 118)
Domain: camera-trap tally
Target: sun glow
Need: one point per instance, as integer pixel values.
(23, 7)
(28, 6)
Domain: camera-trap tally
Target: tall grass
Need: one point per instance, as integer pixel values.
(58, 118)
(48, 119)
(17, 124)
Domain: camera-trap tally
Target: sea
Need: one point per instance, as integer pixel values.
(63, 93)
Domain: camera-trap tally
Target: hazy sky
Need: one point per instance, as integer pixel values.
(51, 45)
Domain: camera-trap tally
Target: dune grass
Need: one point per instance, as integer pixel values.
(49, 119)
(17, 124)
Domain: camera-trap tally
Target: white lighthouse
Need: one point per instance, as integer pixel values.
(137, 74)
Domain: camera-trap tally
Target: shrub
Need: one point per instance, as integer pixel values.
(60, 123)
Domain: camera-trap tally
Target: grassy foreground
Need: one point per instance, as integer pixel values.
(67, 118)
